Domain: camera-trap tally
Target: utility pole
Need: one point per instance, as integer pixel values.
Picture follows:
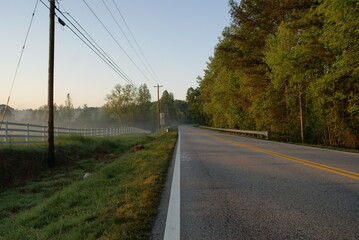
(50, 103)
(158, 107)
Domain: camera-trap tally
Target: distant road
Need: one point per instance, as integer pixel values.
(232, 187)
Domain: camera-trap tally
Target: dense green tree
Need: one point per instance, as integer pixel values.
(194, 113)
(338, 90)
(286, 66)
(143, 102)
(121, 103)
(167, 104)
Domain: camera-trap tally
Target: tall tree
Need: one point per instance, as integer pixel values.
(68, 110)
(287, 66)
(121, 102)
(339, 88)
(143, 103)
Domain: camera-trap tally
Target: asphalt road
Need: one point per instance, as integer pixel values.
(241, 188)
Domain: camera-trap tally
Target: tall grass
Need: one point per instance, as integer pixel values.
(118, 201)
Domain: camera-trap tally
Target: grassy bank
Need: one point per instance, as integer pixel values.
(24, 163)
(118, 201)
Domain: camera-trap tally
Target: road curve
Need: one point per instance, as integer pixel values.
(232, 187)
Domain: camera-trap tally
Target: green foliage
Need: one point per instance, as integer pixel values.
(121, 102)
(19, 164)
(286, 66)
(118, 201)
(130, 105)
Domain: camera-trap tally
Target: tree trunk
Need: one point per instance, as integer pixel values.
(301, 115)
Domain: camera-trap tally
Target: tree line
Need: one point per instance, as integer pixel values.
(290, 67)
(126, 105)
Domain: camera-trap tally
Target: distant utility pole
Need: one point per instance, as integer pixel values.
(158, 106)
(50, 103)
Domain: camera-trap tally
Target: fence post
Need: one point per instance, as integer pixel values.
(27, 132)
(43, 133)
(6, 132)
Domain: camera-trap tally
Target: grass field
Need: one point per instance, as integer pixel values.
(118, 201)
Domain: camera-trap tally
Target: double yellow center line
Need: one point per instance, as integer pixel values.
(339, 171)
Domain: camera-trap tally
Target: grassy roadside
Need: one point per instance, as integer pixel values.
(20, 164)
(118, 201)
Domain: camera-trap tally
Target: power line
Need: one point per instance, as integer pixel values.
(93, 45)
(128, 28)
(18, 63)
(123, 33)
(109, 63)
(118, 44)
(98, 46)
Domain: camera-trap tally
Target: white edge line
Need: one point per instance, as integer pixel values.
(172, 230)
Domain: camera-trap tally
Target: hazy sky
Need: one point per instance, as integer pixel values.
(177, 38)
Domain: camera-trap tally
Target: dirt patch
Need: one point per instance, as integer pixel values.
(137, 148)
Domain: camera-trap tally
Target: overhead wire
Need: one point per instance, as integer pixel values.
(98, 46)
(129, 30)
(110, 64)
(118, 44)
(104, 56)
(124, 34)
(18, 64)
(93, 45)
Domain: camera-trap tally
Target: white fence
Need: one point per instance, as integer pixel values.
(12, 132)
(250, 132)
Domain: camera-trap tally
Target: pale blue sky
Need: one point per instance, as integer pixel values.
(177, 38)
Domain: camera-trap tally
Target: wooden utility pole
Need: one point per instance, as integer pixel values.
(158, 107)
(50, 103)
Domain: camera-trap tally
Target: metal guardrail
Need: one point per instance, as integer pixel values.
(12, 132)
(261, 133)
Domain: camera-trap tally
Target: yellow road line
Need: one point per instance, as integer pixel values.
(335, 170)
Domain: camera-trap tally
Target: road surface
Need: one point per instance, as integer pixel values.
(228, 187)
